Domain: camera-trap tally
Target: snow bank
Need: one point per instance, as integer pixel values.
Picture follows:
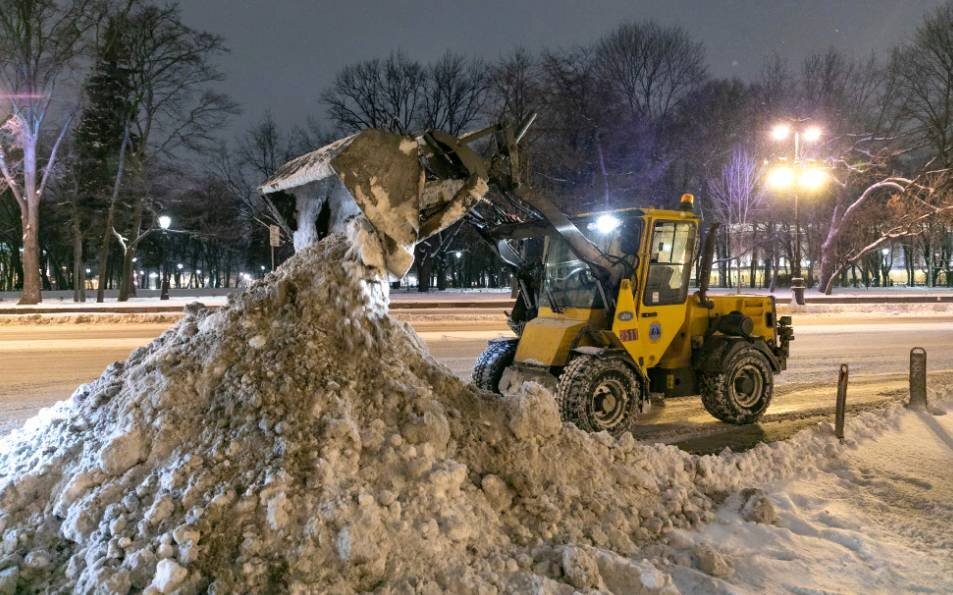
(300, 440)
(93, 317)
(875, 517)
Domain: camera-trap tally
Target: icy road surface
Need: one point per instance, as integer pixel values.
(42, 364)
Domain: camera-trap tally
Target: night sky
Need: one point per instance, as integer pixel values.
(284, 52)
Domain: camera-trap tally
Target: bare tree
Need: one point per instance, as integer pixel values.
(650, 68)
(455, 92)
(386, 94)
(922, 72)
(515, 87)
(39, 40)
(174, 108)
(255, 156)
(736, 199)
(912, 205)
(896, 135)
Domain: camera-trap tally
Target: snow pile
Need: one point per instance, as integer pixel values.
(300, 440)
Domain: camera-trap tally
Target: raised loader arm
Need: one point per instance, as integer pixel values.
(411, 188)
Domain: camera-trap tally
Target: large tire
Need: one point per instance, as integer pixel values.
(490, 365)
(741, 391)
(600, 394)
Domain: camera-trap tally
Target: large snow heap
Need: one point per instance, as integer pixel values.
(301, 440)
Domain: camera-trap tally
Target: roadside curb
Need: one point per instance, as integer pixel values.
(472, 304)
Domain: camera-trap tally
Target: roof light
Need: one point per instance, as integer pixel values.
(687, 202)
(606, 224)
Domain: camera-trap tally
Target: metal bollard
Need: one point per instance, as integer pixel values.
(918, 378)
(841, 409)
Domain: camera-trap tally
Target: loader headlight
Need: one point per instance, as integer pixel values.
(606, 224)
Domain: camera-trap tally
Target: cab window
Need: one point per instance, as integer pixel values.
(671, 251)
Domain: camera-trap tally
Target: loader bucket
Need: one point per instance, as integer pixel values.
(384, 175)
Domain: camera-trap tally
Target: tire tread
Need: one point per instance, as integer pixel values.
(489, 367)
(575, 384)
(714, 390)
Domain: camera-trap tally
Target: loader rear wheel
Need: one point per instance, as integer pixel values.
(490, 365)
(741, 391)
(599, 394)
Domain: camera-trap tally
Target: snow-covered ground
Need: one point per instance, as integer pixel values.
(196, 462)
(178, 301)
(876, 518)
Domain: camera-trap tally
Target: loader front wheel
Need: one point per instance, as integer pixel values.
(600, 394)
(488, 369)
(741, 391)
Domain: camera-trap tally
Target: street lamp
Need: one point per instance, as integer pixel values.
(812, 134)
(164, 223)
(781, 177)
(885, 267)
(794, 176)
(781, 131)
(812, 178)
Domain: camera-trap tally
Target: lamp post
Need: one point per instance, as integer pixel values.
(808, 177)
(164, 223)
(885, 267)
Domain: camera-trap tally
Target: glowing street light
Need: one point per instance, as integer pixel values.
(812, 178)
(780, 131)
(458, 254)
(812, 134)
(165, 222)
(808, 178)
(781, 177)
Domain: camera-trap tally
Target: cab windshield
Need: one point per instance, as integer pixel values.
(568, 282)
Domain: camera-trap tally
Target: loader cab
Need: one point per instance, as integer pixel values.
(568, 282)
(660, 260)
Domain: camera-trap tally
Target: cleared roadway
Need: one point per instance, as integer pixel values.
(40, 364)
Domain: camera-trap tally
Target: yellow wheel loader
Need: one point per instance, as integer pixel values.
(604, 315)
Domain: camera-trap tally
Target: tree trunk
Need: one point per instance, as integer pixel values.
(79, 271)
(102, 258)
(424, 267)
(125, 280)
(30, 219)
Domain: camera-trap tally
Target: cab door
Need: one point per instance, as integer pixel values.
(661, 314)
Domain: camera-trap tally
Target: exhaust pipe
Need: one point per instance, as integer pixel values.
(707, 259)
